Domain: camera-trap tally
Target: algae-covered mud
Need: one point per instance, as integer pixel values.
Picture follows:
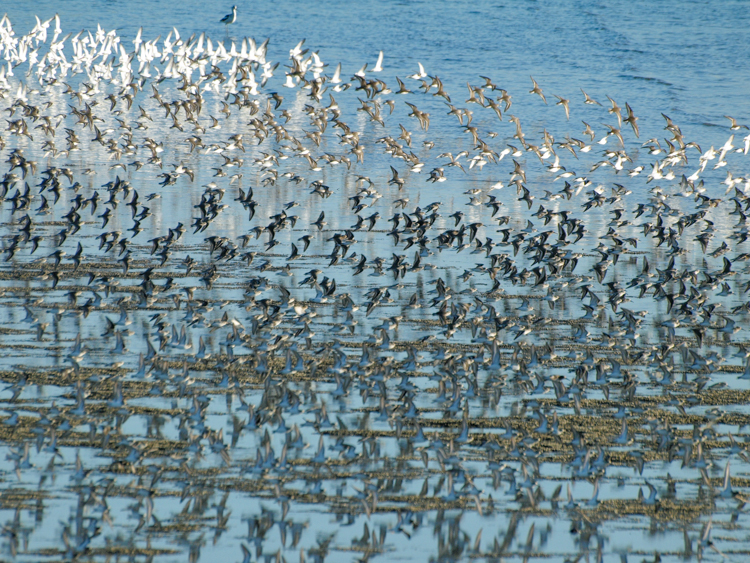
(256, 305)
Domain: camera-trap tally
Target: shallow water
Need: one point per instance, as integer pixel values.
(180, 467)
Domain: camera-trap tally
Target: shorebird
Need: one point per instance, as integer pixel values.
(537, 90)
(408, 314)
(230, 18)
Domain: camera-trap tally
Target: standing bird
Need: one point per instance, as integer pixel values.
(230, 18)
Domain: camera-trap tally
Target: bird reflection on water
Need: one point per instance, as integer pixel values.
(154, 300)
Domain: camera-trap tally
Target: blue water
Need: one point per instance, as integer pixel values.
(689, 58)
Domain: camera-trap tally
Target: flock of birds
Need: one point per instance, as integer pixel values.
(359, 316)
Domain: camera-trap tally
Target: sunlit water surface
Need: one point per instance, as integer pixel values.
(324, 431)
